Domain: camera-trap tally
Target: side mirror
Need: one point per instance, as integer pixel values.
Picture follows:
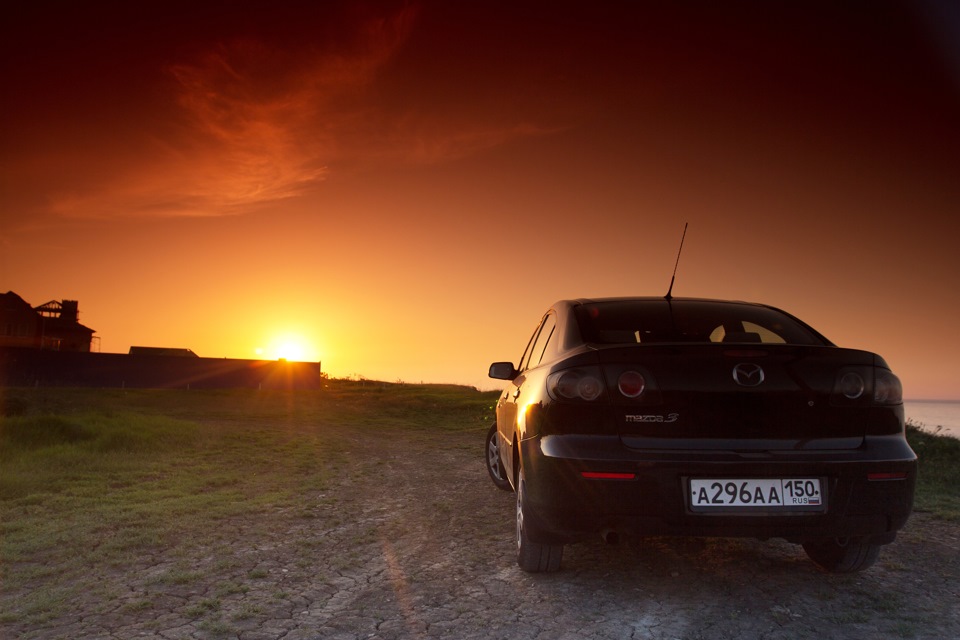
(503, 371)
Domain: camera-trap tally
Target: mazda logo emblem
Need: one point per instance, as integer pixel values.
(747, 374)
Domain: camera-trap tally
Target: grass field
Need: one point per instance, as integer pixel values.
(100, 477)
(938, 479)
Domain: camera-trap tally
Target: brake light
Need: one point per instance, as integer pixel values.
(631, 384)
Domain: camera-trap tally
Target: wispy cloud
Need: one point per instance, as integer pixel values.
(255, 122)
(436, 145)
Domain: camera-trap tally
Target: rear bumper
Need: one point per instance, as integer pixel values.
(652, 496)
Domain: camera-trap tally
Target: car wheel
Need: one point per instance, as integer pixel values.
(842, 555)
(494, 463)
(532, 556)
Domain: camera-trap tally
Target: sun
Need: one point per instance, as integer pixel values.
(291, 347)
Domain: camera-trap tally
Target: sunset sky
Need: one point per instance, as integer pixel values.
(400, 189)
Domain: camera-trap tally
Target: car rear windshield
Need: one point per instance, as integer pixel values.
(658, 321)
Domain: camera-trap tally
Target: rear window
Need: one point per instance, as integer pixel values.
(658, 321)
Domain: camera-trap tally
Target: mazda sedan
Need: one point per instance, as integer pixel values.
(689, 417)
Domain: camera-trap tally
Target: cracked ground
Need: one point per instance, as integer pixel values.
(409, 539)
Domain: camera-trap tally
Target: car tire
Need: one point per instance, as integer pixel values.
(842, 555)
(533, 557)
(498, 473)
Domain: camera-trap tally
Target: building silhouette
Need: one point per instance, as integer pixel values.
(54, 325)
(46, 346)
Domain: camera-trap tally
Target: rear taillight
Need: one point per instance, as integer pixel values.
(851, 385)
(887, 388)
(867, 385)
(576, 384)
(615, 382)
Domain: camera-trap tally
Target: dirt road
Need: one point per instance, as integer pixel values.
(413, 541)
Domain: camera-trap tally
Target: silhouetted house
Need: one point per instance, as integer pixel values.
(46, 346)
(19, 323)
(53, 325)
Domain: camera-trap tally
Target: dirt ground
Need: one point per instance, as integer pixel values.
(414, 541)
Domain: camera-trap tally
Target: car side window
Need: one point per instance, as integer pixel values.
(522, 366)
(543, 339)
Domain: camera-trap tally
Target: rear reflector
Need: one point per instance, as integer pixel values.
(902, 475)
(607, 475)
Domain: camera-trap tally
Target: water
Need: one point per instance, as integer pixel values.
(930, 414)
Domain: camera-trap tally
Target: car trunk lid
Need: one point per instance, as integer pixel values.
(736, 397)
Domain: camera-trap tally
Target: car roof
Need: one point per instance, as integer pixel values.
(580, 301)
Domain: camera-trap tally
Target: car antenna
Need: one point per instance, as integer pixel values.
(669, 295)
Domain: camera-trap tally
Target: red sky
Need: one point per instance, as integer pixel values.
(404, 187)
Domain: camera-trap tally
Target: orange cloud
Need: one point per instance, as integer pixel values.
(254, 123)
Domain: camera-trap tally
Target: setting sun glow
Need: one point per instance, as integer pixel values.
(400, 189)
(290, 347)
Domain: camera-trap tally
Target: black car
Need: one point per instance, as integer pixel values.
(690, 417)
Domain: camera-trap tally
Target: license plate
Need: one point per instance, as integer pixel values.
(753, 493)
